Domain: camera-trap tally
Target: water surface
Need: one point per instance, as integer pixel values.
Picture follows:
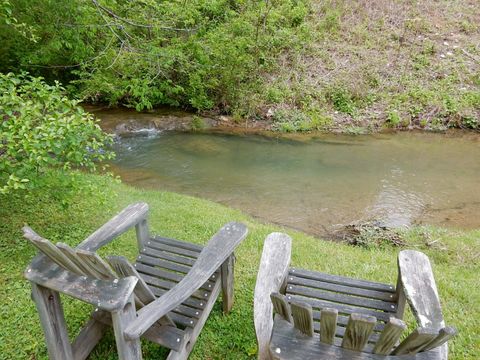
(317, 185)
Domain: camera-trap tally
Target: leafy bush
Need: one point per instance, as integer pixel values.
(197, 54)
(41, 129)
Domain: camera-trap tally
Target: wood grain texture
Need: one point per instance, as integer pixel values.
(420, 288)
(328, 325)
(115, 288)
(302, 317)
(227, 272)
(96, 265)
(272, 271)
(143, 233)
(390, 336)
(50, 311)
(444, 335)
(126, 219)
(167, 336)
(342, 308)
(358, 331)
(416, 341)
(420, 291)
(127, 349)
(193, 333)
(214, 254)
(342, 280)
(106, 294)
(342, 289)
(281, 306)
(342, 298)
(72, 255)
(287, 343)
(142, 291)
(50, 250)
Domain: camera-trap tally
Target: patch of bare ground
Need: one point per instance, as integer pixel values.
(374, 63)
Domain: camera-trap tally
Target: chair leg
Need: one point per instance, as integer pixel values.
(127, 349)
(192, 335)
(88, 338)
(227, 272)
(52, 319)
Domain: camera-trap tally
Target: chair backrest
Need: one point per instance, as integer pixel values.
(90, 264)
(359, 329)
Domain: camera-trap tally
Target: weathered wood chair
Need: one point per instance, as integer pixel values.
(165, 297)
(322, 316)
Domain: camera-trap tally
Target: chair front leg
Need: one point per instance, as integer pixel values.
(53, 323)
(127, 349)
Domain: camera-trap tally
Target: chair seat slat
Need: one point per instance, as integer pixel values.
(344, 289)
(177, 243)
(342, 298)
(342, 280)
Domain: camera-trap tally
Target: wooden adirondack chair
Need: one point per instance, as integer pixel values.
(165, 297)
(322, 316)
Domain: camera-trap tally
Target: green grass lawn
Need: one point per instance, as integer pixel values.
(455, 257)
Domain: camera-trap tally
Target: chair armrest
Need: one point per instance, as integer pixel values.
(213, 255)
(129, 217)
(108, 295)
(419, 287)
(271, 275)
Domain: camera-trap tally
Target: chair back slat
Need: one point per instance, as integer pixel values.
(142, 292)
(50, 250)
(359, 328)
(281, 306)
(123, 268)
(389, 336)
(96, 265)
(328, 325)
(302, 317)
(71, 254)
(443, 336)
(416, 341)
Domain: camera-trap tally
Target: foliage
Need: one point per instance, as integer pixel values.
(9, 21)
(42, 129)
(198, 54)
(393, 119)
(244, 57)
(197, 123)
(342, 101)
(455, 264)
(293, 120)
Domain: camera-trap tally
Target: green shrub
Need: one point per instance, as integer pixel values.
(196, 54)
(293, 120)
(393, 119)
(342, 101)
(197, 123)
(42, 129)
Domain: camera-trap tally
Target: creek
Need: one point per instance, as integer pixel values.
(316, 184)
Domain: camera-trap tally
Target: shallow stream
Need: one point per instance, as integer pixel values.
(319, 184)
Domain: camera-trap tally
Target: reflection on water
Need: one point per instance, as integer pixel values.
(320, 184)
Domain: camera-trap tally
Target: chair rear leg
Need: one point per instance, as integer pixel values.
(227, 273)
(88, 338)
